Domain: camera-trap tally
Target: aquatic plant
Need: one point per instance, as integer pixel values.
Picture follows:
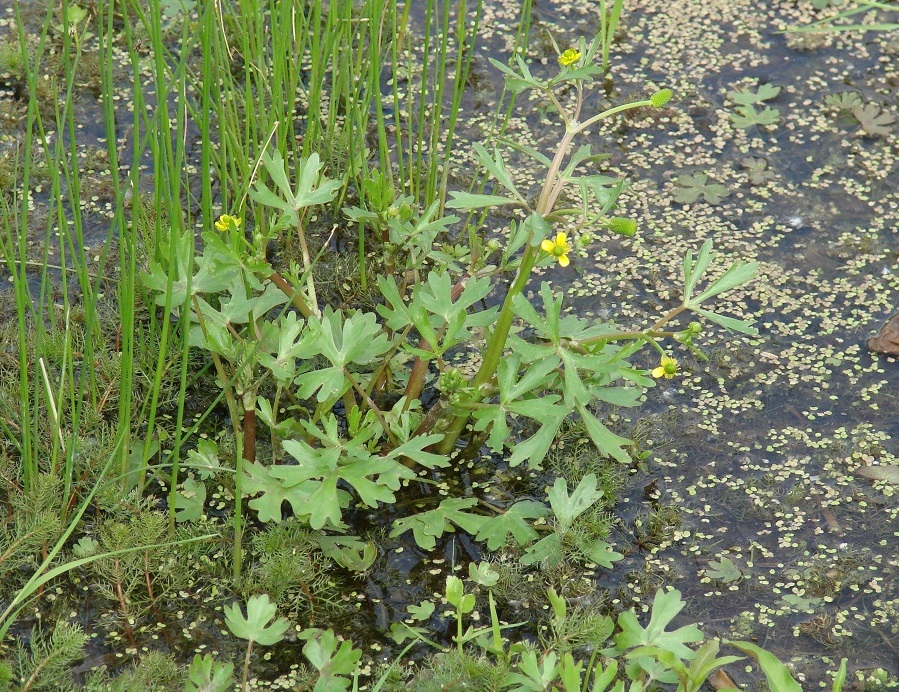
(333, 409)
(345, 358)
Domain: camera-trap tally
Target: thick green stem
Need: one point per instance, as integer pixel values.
(580, 127)
(495, 344)
(249, 425)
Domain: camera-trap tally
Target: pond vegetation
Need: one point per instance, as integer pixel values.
(433, 345)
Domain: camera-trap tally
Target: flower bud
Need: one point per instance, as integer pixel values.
(450, 381)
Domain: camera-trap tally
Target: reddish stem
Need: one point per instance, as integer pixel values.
(249, 434)
(420, 365)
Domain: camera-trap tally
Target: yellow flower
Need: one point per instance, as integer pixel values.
(225, 220)
(667, 369)
(569, 57)
(558, 248)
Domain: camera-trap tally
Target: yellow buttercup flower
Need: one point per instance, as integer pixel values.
(558, 248)
(225, 220)
(667, 369)
(569, 57)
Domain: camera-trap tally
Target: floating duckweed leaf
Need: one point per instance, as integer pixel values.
(691, 187)
(873, 119)
(747, 116)
(757, 169)
(889, 473)
(746, 97)
(843, 100)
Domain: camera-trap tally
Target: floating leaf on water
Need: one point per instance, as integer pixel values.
(747, 97)
(691, 187)
(189, 501)
(887, 472)
(843, 100)
(757, 169)
(873, 119)
(723, 570)
(747, 116)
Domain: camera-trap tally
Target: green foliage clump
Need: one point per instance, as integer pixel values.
(35, 522)
(45, 662)
(153, 672)
(291, 568)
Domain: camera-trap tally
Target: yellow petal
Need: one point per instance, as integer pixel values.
(563, 260)
(547, 246)
(658, 372)
(561, 238)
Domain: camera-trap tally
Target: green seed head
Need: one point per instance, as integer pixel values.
(622, 226)
(660, 98)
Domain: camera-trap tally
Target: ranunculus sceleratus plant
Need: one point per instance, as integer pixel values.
(326, 369)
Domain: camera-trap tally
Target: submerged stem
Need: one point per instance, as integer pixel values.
(246, 666)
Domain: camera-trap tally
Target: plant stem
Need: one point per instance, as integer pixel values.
(246, 666)
(234, 412)
(249, 425)
(123, 604)
(307, 266)
(372, 406)
(651, 333)
(496, 343)
(580, 127)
